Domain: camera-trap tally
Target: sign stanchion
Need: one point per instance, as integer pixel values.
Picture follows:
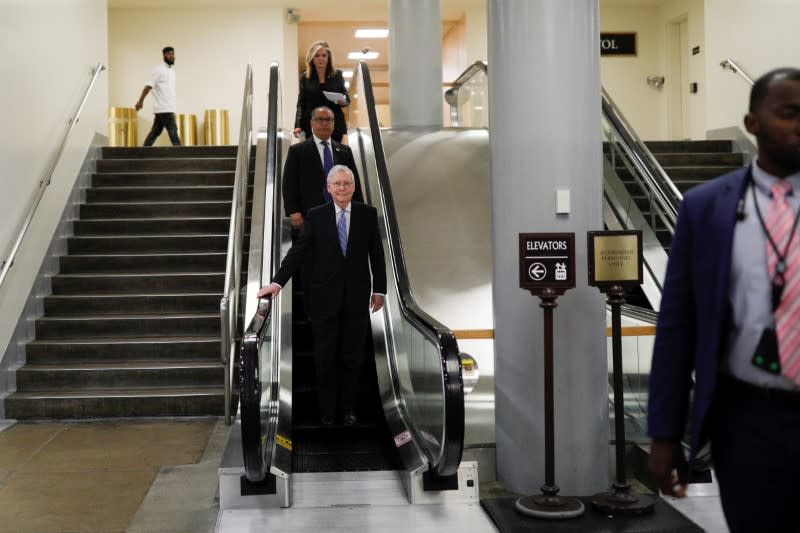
(547, 270)
(615, 262)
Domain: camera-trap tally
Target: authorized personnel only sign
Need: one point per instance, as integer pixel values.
(546, 261)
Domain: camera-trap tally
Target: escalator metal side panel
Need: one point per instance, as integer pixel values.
(440, 185)
(621, 212)
(395, 413)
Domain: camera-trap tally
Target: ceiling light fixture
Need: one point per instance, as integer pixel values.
(364, 33)
(347, 73)
(363, 55)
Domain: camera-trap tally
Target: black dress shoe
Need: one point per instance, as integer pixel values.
(349, 418)
(327, 420)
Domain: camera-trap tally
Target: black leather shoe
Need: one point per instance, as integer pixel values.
(327, 420)
(349, 418)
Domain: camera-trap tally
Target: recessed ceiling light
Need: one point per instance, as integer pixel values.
(347, 84)
(363, 55)
(372, 33)
(347, 73)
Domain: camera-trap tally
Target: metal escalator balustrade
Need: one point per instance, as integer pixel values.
(417, 358)
(264, 375)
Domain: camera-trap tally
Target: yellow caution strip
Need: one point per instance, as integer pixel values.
(283, 442)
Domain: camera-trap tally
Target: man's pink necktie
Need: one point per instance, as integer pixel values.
(780, 224)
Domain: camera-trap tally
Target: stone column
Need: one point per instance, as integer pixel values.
(544, 94)
(415, 63)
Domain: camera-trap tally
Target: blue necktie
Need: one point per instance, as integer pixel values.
(342, 226)
(327, 165)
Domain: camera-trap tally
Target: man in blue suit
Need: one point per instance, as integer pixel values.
(717, 319)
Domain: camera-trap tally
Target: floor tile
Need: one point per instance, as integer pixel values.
(20, 442)
(71, 502)
(123, 445)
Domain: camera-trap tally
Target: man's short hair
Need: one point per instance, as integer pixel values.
(340, 169)
(761, 86)
(167, 49)
(319, 109)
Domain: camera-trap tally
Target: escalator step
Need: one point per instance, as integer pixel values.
(342, 463)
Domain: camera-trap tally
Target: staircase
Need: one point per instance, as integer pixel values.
(687, 163)
(132, 327)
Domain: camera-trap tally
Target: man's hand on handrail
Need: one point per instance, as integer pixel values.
(272, 289)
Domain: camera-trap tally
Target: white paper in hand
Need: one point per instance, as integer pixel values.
(333, 97)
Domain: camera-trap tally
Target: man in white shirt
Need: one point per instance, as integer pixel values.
(162, 84)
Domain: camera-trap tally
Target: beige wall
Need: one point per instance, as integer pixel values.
(476, 21)
(624, 77)
(759, 35)
(48, 49)
(213, 46)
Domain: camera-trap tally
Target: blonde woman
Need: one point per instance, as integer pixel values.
(320, 75)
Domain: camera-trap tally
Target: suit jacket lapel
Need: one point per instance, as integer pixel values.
(314, 154)
(721, 227)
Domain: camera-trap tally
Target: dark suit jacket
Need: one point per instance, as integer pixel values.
(304, 179)
(338, 283)
(692, 322)
(310, 97)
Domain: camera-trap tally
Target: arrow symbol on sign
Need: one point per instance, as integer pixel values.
(537, 271)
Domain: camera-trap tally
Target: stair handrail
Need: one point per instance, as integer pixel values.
(229, 304)
(729, 64)
(451, 95)
(47, 176)
(665, 193)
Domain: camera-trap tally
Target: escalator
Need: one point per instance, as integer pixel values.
(411, 398)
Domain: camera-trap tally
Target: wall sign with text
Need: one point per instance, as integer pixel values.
(618, 44)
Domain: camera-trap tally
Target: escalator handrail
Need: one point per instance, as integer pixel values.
(257, 448)
(449, 457)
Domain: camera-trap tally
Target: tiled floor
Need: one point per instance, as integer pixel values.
(93, 476)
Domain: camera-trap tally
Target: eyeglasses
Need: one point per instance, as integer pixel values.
(323, 120)
(342, 184)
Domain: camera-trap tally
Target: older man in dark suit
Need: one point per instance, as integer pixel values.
(307, 167)
(341, 242)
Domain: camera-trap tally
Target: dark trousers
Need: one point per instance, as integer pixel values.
(161, 121)
(755, 445)
(338, 358)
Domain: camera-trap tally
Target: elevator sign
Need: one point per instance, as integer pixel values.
(546, 261)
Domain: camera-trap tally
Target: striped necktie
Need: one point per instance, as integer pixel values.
(780, 225)
(342, 230)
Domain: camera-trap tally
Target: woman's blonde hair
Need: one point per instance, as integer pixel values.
(315, 47)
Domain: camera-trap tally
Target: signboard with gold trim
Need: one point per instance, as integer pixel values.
(615, 258)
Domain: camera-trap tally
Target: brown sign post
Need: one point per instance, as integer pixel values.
(547, 270)
(615, 264)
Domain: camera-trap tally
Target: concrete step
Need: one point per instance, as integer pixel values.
(159, 194)
(144, 226)
(172, 348)
(721, 159)
(162, 179)
(76, 376)
(88, 244)
(166, 164)
(148, 152)
(216, 208)
(147, 283)
(689, 146)
(129, 304)
(122, 326)
(141, 263)
(109, 402)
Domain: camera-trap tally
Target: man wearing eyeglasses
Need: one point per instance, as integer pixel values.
(307, 166)
(342, 244)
